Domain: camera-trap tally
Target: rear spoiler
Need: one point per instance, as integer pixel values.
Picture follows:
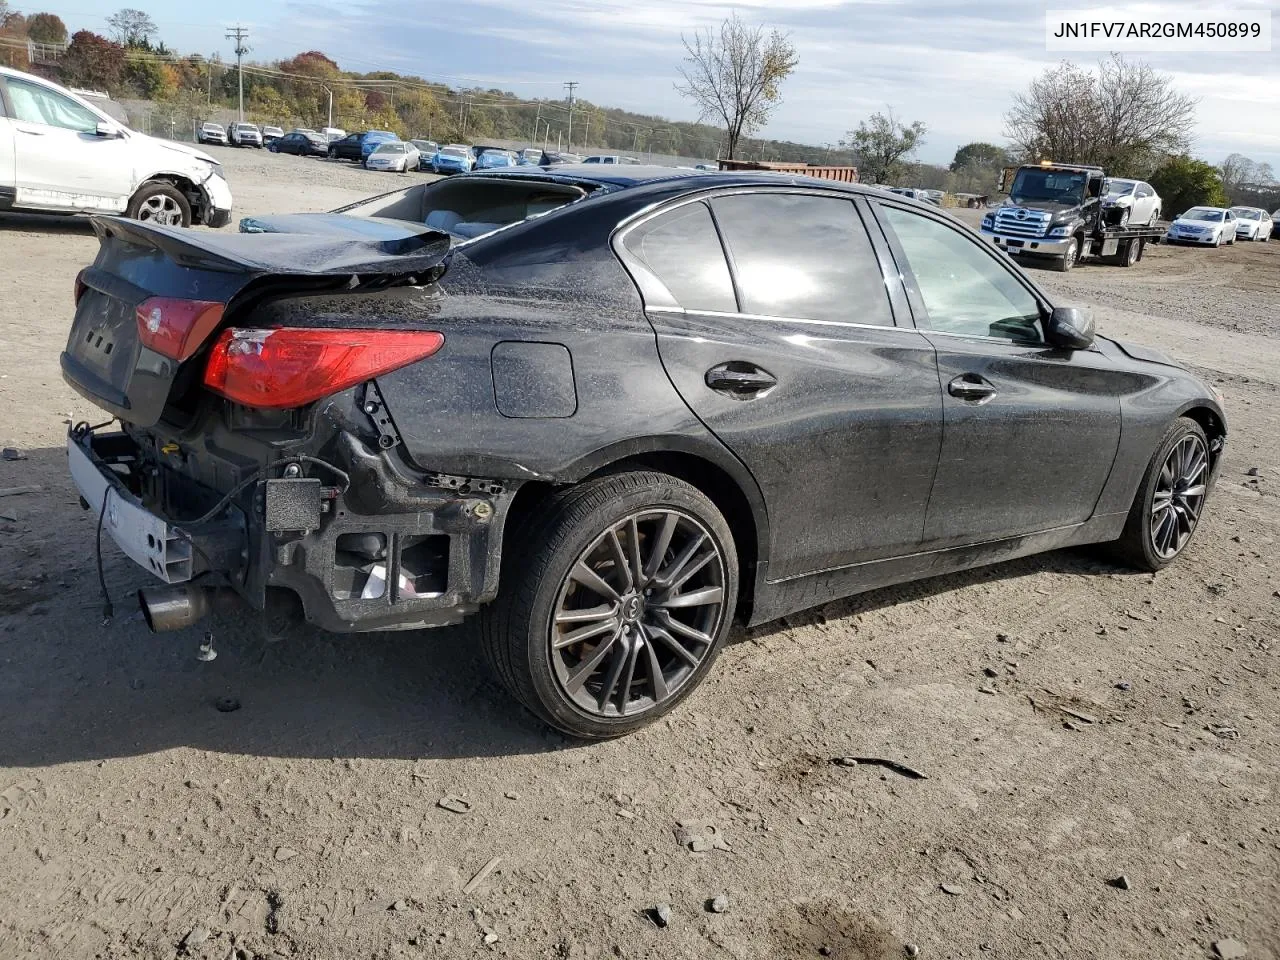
(287, 254)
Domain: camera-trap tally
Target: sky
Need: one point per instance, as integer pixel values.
(950, 63)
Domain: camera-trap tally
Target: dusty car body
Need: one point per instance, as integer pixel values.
(600, 430)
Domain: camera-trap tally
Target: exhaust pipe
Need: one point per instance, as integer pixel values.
(172, 608)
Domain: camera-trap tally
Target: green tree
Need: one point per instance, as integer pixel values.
(92, 61)
(1184, 182)
(734, 75)
(979, 154)
(881, 144)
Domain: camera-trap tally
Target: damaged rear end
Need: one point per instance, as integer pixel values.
(255, 453)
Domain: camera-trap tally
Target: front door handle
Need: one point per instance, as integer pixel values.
(970, 386)
(30, 133)
(741, 380)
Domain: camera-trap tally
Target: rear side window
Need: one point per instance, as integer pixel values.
(682, 249)
(803, 256)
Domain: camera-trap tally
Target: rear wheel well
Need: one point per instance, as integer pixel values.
(714, 482)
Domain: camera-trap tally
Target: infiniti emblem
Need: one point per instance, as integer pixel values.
(631, 608)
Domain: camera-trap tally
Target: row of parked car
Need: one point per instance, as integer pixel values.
(1214, 226)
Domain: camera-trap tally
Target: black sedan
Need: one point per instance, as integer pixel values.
(349, 147)
(301, 144)
(608, 413)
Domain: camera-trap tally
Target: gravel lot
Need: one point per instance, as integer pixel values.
(133, 814)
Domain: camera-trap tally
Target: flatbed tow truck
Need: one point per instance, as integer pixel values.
(1054, 210)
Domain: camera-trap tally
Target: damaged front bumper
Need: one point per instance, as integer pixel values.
(361, 539)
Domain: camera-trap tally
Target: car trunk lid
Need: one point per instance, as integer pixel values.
(106, 359)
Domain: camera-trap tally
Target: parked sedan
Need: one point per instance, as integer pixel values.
(304, 144)
(1206, 225)
(349, 147)
(210, 132)
(426, 150)
(1252, 223)
(373, 139)
(452, 158)
(1130, 203)
(271, 134)
(495, 159)
(394, 155)
(404, 435)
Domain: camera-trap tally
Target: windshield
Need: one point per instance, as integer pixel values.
(1247, 213)
(390, 148)
(454, 151)
(212, 126)
(1120, 188)
(246, 128)
(1200, 213)
(1055, 186)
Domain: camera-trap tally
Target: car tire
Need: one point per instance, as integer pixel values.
(161, 203)
(584, 688)
(1148, 542)
(1124, 219)
(1068, 259)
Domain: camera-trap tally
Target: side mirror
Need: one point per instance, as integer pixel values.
(106, 130)
(1071, 328)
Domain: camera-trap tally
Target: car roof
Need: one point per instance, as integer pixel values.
(633, 176)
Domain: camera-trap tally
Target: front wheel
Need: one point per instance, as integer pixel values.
(1170, 499)
(160, 203)
(616, 598)
(1069, 258)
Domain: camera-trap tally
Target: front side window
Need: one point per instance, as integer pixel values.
(965, 289)
(682, 250)
(803, 256)
(36, 104)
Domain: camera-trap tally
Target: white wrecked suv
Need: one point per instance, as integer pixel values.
(59, 154)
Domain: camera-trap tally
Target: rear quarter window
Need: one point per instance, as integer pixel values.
(682, 249)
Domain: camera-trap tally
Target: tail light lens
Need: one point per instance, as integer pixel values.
(294, 366)
(176, 328)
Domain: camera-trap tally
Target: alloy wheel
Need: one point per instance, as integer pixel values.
(1179, 496)
(161, 209)
(638, 613)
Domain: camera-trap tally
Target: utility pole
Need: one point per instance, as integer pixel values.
(537, 121)
(330, 93)
(571, 85)
(239, 34)
(209, 97)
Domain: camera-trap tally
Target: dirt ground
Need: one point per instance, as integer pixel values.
(1076, 722)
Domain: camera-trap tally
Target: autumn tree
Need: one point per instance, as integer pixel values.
(734, 76)
(132, 28)
(46, 28)
(1124, 117)
(979, 154)
(881, 143)
(92, 61)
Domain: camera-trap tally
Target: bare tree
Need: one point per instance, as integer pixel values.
(881, 143)
(734, 74)
(132, 28)
(1126, 117)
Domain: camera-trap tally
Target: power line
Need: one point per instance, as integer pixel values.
(239, 34)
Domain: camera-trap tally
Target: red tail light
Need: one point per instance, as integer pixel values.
(174, 327)
(294, 366)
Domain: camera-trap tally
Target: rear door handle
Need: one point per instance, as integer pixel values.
(30, 133)
(970, 386)
(740, 379)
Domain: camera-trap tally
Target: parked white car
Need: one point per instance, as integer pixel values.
(1131, 203)
(59, 154)
(1253, 223)
(244, 135)
(400, 156)
(1211, 225)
